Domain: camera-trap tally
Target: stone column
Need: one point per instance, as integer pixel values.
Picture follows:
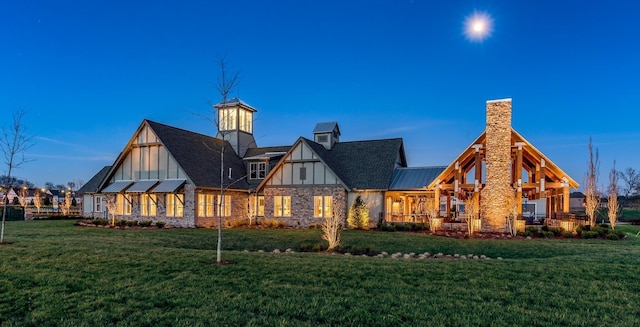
(498, 166)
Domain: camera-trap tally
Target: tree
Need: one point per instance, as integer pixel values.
(22, 196)
(331, 226)
(225, 84)
(592, 199)
(612, 197)
(59, 187)
(37, 200)
(14, 143)
(511, 206)
(71, 185)
(631, 179)
(358, 214)
(433, 211)
(112, 208)
(66, 204)
(48, 185)
(471, 211)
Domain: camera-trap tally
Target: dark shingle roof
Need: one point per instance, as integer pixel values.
(414, 177)
(199, 156)
(94, 183)
(362, 164)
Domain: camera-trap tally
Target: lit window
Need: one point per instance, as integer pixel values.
(98, 204)
(282, 206)
(261, 206)
(127, 205)
(226, 210)
(175, 205)
(246, 118)
(148, 205)
(322, 206)
(227, 119)
(205, 205)
(257, 170)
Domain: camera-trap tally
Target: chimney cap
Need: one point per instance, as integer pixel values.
(499, 100)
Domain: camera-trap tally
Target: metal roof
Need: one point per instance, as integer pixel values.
(117, 187)
(169, 186)
(326, 127)
(414, 177)
(142, 186)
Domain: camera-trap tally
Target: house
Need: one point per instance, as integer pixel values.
(185, 179)
(93, 202)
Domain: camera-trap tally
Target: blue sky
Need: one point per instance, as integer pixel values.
(88, 72)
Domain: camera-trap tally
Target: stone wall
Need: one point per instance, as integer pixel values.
(302, 203)
(498, 166)
(239, 211)
(187, 220)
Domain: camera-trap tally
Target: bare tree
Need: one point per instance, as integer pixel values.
(612, 204)
(13, 144)
(48, 186)
(331, 226)
(225, 84)
(22, 196)
(66, 204)
(511, 206)
(471, 211)
(631, 179)
(37, 200)
(112, 208)
(592, 198)
(433, 211)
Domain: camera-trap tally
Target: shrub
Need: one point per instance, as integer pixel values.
(161, 224)
(589, 234)
(146, 223)
(369, 250)
(308, 247)
(556, 231)
(567, 234)
(388, 227)
(100, 222)
(393, 227)
(602, 231)
(271, 223)
(121, 223)
(615, 235)
(132, 223)
(237, 223)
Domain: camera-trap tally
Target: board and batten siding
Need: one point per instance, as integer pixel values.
(302, 167)
(147, 158)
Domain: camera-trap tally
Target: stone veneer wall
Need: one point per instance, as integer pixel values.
(239, 211)
(187, 220)
(302, 203)
(498, 166)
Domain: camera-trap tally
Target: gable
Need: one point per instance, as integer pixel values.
(145, 157)
(532, 160)
(301, 166)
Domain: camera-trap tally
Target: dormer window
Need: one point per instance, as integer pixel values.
(257, 170)
(322, 138)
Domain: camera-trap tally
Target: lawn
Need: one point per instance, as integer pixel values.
(57, 274)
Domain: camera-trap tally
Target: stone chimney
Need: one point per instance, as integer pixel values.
(498, 188)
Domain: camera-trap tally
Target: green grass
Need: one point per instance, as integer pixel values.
(56, 274)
